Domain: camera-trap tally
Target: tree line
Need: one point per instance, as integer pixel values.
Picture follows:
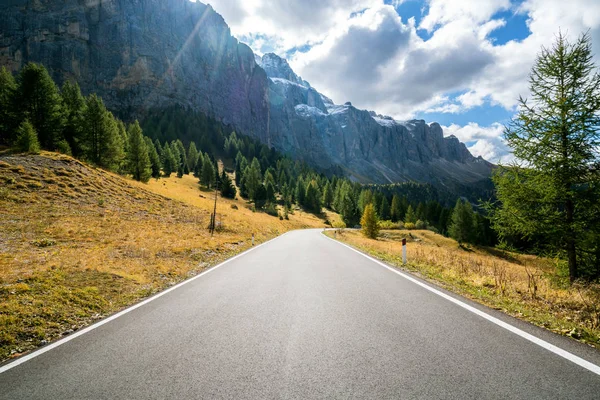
(36, 113)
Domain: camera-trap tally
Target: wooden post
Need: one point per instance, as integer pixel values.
(403, 251)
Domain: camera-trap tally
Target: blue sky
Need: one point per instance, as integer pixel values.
(462, 63)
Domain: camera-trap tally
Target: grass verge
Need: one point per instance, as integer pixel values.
(523, 286)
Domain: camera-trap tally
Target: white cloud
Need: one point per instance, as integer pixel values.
(442, 12)
(485, 141)
(288, 23)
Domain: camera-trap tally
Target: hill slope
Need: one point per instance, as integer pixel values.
(78, 243)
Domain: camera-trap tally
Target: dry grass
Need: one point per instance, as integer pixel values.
(524, 286)
(78, 243)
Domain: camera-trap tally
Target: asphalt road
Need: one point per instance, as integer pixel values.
(303, 317)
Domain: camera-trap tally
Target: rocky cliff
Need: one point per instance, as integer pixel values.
(142, 54)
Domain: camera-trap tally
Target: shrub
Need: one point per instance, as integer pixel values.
(388, 225)
(271, 210)
(27, 139)
(420, 225)
(400, 225)
(409, 226)
(63, 147)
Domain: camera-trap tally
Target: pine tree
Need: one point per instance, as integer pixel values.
(369, 222)
(253, 178)
(168, 160)
(138, 161)
(396, 209)
(226, 186)
(327, 195)
(192, 156)
(8, 87)
(182, 156)
(312, 198)
(101, 142)
(365, 198)
(462, 222)
(240, 165)
(554, 194)
(410, 216)
(73, 105)
(384, 211)
(207, 176)
(27, 140)
(348, 205)
(300, 192)
(270, 193)
(154, 158)
(38, 99)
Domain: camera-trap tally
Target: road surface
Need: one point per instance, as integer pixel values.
(297, 318)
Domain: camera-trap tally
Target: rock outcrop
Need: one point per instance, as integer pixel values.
(148, 54)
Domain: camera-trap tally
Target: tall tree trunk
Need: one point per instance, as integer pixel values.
(570, 239)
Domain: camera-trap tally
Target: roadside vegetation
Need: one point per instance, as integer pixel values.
(524, 286)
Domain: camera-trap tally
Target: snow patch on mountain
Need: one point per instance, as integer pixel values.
(306, 111)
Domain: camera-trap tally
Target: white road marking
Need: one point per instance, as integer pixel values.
(542, 343)
(66, 339)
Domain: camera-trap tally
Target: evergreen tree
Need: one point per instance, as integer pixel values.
(168, 160)
(369, 222)
(300, 192)
(554, 194)
(396, 210)
(462, 222)
(38, 99)
(8, 87)
(192, 156)
(226, 186)
(240, 165)
(154, 158)
(124, 138)
(348, 205)
(365, 198)
(260, 196)
(182, 156)
(27, 140)
(327, 195)
(312, 198)
(207, 176)
(253, 178)
(73, 105)
(270, 193)
(101, 142)
(384, 211)
(138, 161)
(410, 216)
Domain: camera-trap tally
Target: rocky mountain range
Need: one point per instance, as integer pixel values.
(147, 54)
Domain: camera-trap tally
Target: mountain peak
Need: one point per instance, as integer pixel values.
(278, 67)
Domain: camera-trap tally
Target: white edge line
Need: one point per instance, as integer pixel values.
(542, 343)
(66, 339)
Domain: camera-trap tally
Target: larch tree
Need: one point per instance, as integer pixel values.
(8, 87)
(552, 190)
(138, 160)
(369, 222)
(462, 223)
(38, 99)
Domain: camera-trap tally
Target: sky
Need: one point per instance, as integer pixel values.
(461, 63)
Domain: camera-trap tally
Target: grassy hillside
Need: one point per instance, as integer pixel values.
(524, 286)
(78, 243)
